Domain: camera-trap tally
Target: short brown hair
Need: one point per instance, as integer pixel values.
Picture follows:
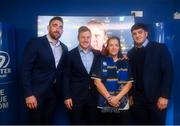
(83, 29)
(56, 18)
(98, 24)
(138, 26)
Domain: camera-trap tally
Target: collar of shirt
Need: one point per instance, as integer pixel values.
(145, 43)
(83, 51)
(52, 41)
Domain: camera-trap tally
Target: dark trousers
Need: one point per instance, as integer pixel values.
(120, 118)
(84, 111)
(146, 112)
(45, 110)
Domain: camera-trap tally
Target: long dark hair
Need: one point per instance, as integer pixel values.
(105, 50)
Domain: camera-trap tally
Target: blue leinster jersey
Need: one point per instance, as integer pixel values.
(114, 76)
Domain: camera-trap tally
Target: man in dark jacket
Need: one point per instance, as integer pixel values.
(79, 91)
(152, 71)
(42, 70)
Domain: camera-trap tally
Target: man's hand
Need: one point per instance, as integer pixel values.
(31, 102)
(68, 103)
(162, 103)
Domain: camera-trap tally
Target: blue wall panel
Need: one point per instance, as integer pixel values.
(8, 84)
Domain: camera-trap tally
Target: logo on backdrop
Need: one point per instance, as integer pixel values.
(4, 59)
(4, 62)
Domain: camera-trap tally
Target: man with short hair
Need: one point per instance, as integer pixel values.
(99, 35)
(79, 91)
(152, 72)
(42, 70)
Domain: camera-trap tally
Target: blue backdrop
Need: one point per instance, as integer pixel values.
(23, 14)
(8, 85)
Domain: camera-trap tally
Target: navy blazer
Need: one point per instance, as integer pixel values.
(158, 71)
(77, 82)
(39, 70)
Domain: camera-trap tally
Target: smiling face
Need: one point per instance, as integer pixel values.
(85, 40)
(55, 29)
(139, 36)
(113, 47)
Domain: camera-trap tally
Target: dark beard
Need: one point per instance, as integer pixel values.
(53, 37)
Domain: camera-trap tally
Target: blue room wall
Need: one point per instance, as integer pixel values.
(177, 67)
(23, 15)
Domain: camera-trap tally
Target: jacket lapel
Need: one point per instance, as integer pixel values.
(49, 51)
(63, 54)
(94, 60)
(80, 64)
(149, 52)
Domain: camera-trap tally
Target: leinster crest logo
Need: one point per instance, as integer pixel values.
(4, 59)
(4, 62)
